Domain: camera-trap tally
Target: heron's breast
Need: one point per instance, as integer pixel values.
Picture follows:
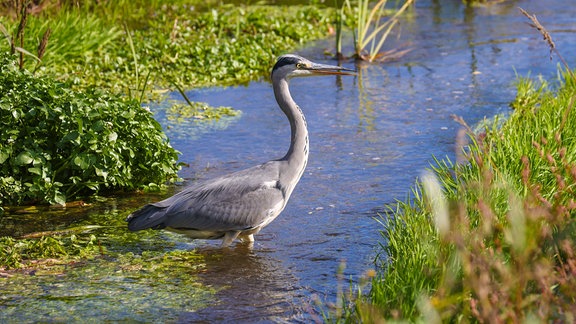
(273, 212)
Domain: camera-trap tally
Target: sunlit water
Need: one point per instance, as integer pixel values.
(371, 136)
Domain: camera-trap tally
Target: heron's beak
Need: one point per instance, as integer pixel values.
(330, 69)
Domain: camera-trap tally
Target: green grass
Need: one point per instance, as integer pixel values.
(113, 45)
(372, 25)
(491, 239)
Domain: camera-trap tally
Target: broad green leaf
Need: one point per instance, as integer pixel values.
(101, 173)
(83, 161)
(23, 158)
(4, 156)
(60, 198)
(35, 170)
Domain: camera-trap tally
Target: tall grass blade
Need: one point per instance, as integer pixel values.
(6, 34)
(143, 91)
(179, 88)
(133, 50)
(25, 52)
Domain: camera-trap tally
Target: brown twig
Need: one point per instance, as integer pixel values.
(42, 47)
(20, 32)
(546, 35)
(43, 43)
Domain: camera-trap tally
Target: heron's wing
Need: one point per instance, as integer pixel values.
(239, 201)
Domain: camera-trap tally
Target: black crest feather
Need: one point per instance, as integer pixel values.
(288, 59)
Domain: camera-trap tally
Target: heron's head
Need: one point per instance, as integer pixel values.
(289, 66)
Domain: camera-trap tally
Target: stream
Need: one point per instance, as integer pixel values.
(371, 136)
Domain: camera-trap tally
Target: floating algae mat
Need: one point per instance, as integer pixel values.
(102, 272)
(153, 286)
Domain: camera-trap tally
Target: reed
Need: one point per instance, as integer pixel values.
(372, 26)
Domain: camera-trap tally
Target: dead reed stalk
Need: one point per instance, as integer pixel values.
(548, 38)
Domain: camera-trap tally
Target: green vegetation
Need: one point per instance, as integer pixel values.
(67, 275)
(16, 252)
(151, 287)
(58, 143)
(70, 129)
(492, 236)
(177, 43)
(370, 28)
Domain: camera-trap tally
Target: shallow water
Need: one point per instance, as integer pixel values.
(370, 135)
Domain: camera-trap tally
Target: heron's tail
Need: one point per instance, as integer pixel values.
(149, 216)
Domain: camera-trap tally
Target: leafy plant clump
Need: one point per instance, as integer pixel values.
(181, 43)
(58, 143)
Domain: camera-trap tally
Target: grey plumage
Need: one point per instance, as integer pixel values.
(241, 203)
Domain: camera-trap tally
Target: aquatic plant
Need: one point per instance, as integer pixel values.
(58, 143)
(371, 30)
(97, 265)
(197, 110)
(16, 252)
(147, 287)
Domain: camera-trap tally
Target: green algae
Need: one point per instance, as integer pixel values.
(152, 286)
(98, 270)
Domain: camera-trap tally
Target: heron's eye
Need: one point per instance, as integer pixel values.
(300, 65)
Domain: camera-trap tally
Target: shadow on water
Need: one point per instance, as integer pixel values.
(370, 135)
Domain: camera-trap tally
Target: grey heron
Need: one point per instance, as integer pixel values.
(240, 204)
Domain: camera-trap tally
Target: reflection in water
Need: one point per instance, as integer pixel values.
(365, 108)
(256, 284)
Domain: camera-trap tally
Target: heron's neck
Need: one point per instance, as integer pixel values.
(297, 155)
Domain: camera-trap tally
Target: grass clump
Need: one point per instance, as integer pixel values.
(58, 143)
(371, 29)
(492, 239)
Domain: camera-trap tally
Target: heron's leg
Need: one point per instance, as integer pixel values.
(248, 240)
(229, 237)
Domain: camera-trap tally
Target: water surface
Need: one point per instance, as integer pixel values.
(371, 136)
